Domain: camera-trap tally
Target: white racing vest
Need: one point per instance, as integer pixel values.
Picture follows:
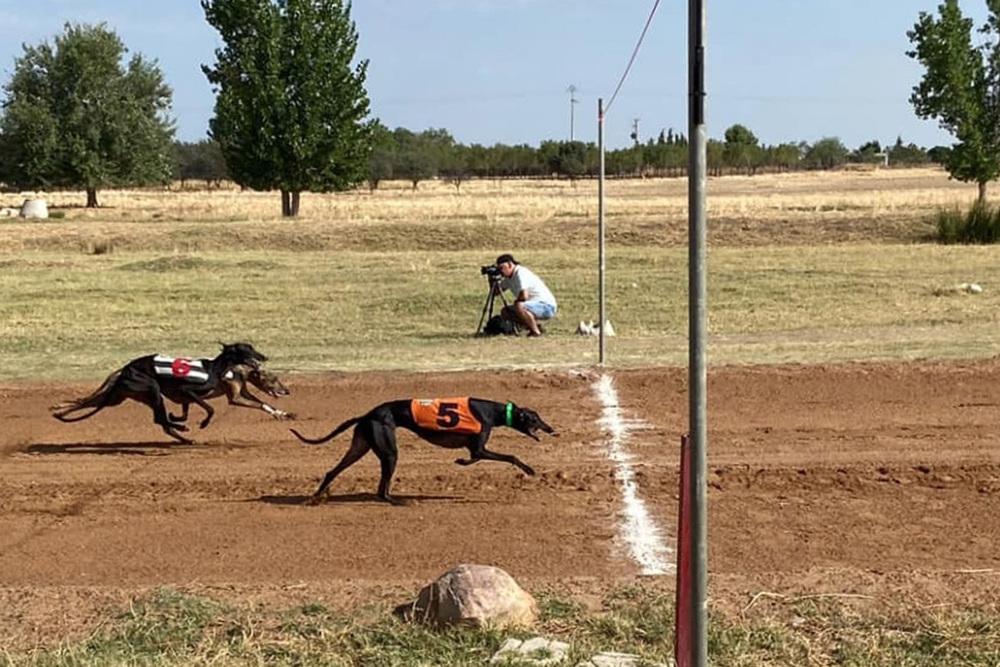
(191, 370)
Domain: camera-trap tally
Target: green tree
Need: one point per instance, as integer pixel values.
(869, 152)
(383, 157)
(568, 158)
(741, 150)
(73, 116)
(416, 157)
(202, 160)
(291, 111)
(826, 153)
(960, 87)
(785, 157)
(907, 154)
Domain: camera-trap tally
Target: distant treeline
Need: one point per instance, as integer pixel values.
(402, 154)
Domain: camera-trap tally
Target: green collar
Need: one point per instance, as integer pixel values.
(510, 414)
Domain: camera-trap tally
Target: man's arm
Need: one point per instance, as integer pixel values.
(522, 295)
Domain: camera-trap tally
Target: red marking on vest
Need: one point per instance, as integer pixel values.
(181, 367)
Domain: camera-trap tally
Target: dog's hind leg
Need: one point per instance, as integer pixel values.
(484, 454)
(154, 399)
(383, 439)
(183, 416)
(359, 447)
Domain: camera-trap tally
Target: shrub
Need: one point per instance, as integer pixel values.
(980, 225)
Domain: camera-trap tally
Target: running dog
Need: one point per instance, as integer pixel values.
(234, 386)
(153, 378)
(453, 423)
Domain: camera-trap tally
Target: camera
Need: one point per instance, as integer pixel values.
(492, 272)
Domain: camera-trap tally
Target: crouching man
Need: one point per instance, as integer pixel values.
(533, 301)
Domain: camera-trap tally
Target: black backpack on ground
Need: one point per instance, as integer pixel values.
(498, 326)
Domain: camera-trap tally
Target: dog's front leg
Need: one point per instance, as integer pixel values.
(487, 455)
(247, 400)
(209, 411)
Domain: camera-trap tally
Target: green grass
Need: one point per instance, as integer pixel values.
(170, 628)
(78, 315)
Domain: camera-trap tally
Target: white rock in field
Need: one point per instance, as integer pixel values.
(534, 651)
(34, 208)
(614, 659)
(592, 329)
(959, 288)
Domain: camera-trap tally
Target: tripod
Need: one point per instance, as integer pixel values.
(490, 302)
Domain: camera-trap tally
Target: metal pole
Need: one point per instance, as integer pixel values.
(600, 227)
(572, 103)
(698, 328)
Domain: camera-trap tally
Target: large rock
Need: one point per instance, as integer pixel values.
(34, 208)
(476, 595)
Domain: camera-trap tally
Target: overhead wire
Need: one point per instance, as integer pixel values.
(635, 52)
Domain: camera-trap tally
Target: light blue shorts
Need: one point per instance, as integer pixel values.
(540, 309)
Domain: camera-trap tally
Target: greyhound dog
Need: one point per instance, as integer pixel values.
(234, 386)
(152, 378)
(453, 423)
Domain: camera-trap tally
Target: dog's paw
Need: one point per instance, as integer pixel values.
(179, 427)
(464, 462)
(204, 423)
(281, 415)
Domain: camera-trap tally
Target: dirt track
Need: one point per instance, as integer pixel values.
(854, 477)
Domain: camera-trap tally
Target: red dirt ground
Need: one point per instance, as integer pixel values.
(862, 479)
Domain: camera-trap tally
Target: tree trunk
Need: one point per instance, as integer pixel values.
(92, 198)
(982, 193)
(290, 203)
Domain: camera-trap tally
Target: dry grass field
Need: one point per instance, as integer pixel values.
(804, 267)
(854, 477)
(876, 206)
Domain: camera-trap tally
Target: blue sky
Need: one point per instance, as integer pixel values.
(498, 71)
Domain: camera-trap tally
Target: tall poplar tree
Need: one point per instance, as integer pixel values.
(961, 87)
(291, 111)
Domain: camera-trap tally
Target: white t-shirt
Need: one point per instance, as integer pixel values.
(524, 279)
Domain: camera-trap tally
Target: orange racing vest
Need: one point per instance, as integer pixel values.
(445, 414)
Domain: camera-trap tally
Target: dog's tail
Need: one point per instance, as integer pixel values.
(97, 400)
(333, 434)
(61, 416)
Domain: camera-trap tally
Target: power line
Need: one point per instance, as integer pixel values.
(635, 52)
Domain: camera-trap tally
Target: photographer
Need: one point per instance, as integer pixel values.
(533, 300)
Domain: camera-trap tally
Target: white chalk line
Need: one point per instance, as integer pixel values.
(638, 530)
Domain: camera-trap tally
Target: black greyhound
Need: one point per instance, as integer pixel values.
(453, 423)
(152, 378)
